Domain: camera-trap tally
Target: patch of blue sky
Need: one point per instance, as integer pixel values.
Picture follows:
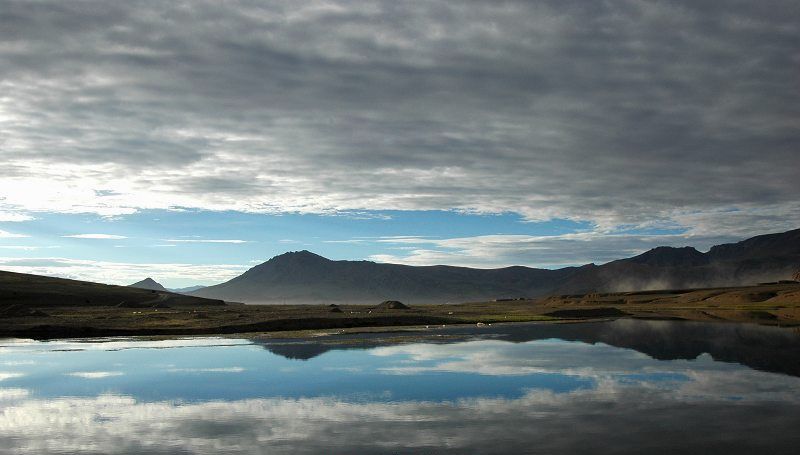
(194, 236)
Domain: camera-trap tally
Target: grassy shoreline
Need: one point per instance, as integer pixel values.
(773, 304)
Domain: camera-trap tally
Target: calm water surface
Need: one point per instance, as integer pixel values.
(616, 387)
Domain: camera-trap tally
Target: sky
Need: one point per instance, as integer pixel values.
(189, 141)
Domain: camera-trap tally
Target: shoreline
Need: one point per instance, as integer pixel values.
(769, 305)
(314, 328)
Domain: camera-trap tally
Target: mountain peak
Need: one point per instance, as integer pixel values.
(299, 256)
(288, 266)
(148, 283)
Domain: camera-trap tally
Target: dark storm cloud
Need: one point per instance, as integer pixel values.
(614, 112)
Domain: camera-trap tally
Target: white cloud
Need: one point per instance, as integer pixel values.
(10, 235)
(18, 362)
(9, 375)
(14, 217)
(206, 240)
(13, 394)
(207, 370)
(95, 374)
(122, 273)
(96, 236)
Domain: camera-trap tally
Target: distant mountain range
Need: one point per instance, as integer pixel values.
(153, 285)
(304, 277)
(763, 258)
(186, 290)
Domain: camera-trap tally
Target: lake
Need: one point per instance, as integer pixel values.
(623, 386)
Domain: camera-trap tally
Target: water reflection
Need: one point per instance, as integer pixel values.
(763, 348)
(551, 390)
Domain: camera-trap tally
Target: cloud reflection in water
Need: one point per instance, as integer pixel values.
(627, 402)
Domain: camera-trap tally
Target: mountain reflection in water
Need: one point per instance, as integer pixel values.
(616, 387)
(759, 347)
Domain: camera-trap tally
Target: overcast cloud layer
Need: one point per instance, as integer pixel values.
(628, 112)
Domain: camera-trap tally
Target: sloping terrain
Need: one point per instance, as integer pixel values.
(764, 258)
(42, 292)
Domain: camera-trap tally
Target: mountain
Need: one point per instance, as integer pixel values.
(305, 277)
(153, 285)
(763, 258)
(148, 283)
(186, 290)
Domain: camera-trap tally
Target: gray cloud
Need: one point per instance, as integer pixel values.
(623, 112)
(487, 251)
